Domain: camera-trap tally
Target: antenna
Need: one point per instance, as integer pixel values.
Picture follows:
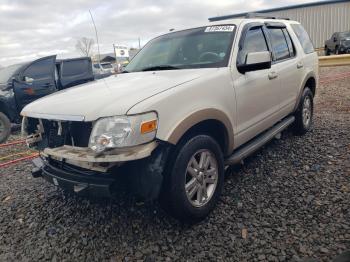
(98, 45)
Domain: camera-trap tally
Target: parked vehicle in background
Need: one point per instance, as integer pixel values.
(339, 43)
(102, 70)
(122, 62)
(23, 83)
(188, 104)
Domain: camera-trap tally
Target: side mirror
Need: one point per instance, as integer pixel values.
(256, 61)
(28, 80)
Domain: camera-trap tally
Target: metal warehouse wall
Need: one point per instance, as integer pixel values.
(320, 21)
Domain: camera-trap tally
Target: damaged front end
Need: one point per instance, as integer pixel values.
(67, 160)
(68, 141)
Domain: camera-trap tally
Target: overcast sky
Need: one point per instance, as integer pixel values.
(36, 28)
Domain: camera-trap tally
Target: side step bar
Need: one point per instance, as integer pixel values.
(258, 142)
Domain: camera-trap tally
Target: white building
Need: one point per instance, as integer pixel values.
(320, 19)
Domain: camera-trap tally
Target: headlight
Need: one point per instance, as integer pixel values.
(123, 131)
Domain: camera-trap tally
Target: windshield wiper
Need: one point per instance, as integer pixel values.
(160, 67)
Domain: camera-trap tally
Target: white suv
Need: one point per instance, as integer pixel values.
(190, 103)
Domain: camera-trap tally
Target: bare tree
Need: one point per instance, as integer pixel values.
(84, 45)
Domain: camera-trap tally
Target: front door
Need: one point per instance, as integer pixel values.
(35, 81)
(257, 91)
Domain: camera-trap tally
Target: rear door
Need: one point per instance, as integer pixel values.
(287, 66)
(74, 72)
(35, 81)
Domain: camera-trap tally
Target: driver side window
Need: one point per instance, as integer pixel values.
(39, 70)
(254, 42)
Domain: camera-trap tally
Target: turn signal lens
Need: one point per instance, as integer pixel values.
(149, 126)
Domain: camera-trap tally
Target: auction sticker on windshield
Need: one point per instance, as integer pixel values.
(220, 28)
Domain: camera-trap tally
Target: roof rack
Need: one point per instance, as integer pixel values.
(257, 15)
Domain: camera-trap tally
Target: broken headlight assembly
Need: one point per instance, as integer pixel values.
(123, 131)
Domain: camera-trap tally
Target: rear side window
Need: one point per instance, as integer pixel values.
(279, 44)
(289, 42)
(41, 69)
(253, 42)
(303, 38)
(75, 67)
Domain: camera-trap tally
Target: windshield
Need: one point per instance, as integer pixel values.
(106, 66)
(194, 48)
(344, 34)
(8, 72)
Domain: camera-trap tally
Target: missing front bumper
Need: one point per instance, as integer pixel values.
(86, 158)
(83, 183)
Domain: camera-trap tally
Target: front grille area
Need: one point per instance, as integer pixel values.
(59, 133)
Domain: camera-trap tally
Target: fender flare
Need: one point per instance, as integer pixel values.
(199, 116)
(306, 78)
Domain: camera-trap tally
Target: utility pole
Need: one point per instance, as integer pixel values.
(98, 45)
(139, 43)
(116, 59)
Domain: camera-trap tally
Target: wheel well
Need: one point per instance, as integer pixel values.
(311, 83)
(212, 127)
(3, 109)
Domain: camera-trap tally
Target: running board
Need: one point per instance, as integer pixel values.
(258, 142)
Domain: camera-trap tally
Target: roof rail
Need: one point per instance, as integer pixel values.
(257, 15)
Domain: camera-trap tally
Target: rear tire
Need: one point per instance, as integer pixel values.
(194, 179)
(327, 51)
(5, 127)
(304, 113)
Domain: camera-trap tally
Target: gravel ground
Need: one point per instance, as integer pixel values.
(288, 202)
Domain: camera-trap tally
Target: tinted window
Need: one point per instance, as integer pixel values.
(344, 34)
(289, 42)
(253, 42)
(303, 38)
(279, 44)
(75, 67)
(41, 69)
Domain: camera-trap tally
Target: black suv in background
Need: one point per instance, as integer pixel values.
(339, 43)
(21, 84)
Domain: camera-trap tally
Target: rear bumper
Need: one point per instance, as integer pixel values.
(78, 181)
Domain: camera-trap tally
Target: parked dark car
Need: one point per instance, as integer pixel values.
(339, 43)
(21, 84)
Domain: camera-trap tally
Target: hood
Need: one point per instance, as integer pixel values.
(110, 96)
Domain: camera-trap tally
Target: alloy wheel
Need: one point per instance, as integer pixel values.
(201, 177)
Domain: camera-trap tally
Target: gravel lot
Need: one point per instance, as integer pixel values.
(288, 202)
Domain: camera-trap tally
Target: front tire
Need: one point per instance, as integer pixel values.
(336, 51)
(304, 113)
(194, 179)
(5, 127)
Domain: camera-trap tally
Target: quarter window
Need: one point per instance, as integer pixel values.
(254, 42)
(303, 38)
(279, 44)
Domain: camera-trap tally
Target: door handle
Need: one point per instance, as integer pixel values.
(300, 65)
(272, 75)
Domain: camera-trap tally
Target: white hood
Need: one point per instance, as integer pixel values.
(111, 96)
